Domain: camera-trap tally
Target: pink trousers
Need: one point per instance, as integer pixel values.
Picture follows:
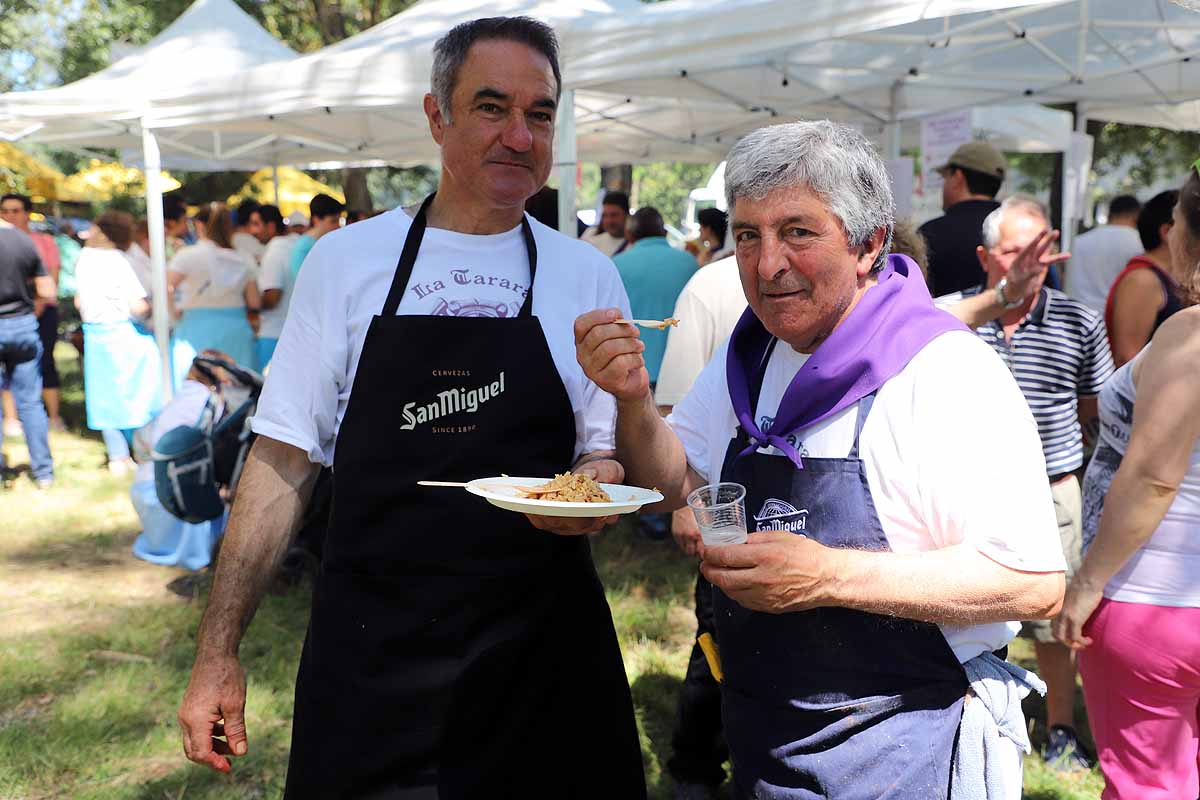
(1141, 680)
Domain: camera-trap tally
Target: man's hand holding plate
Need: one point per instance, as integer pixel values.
(601, 470)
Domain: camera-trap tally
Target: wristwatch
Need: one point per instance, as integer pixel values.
(1004, 301)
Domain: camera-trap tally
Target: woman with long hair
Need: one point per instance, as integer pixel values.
(215, 296)
(121, 375)
(1132, 610)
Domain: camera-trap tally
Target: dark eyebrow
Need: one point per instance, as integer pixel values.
(489, 93)
(801, 219)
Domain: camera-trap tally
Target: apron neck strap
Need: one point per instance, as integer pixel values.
(412, 245)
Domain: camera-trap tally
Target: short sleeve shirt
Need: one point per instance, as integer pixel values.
(1058, 354)
(930, 492)
(19, 264)
(314, 366)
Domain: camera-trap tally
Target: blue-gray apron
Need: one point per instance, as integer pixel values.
(832, 702)
(454, 651)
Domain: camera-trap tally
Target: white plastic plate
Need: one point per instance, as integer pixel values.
(499, 492)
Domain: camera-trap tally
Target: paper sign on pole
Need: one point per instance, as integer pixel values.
(900, 170)
(940, 137)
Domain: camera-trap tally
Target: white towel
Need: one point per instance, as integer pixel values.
(982, 763)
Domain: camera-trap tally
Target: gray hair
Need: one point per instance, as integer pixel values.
(451, 51)
(1017, 202)
(833, 160)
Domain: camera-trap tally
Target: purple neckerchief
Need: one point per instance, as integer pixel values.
(891, 323)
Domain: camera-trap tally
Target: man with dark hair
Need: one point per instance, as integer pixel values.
(247, 231)
(275, 279)
(326, 215)
(970, 181)
(455, 650)
(20, 345)
(609, 235)
(15, 209)
(175, 222)
(1098, 256)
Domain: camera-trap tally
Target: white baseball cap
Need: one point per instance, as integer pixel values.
(296, 218)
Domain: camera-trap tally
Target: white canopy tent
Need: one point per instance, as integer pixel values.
(210, 44)
(366, 91)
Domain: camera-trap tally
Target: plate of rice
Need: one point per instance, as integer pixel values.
(565, 495)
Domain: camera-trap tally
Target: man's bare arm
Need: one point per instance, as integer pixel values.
(956, 585)
(274, 491)
(652, 454)
(782, 572)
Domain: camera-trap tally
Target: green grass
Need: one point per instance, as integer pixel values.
(95, 651)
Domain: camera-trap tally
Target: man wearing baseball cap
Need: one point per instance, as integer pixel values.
(970, 181)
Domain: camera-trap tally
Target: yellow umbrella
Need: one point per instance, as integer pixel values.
(296, 190)
(102, 180)
(41, 180)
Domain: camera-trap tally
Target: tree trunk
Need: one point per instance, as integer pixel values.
(354, 185)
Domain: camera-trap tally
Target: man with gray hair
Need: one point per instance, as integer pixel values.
(883, 569)
(455, 650)
(1057, 350)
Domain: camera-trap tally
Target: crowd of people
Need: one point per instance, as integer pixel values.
(970, 454)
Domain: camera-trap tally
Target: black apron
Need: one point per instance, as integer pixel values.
(831, 703)
(455, 651)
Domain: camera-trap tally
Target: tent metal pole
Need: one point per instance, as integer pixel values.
(566, 162)
(275, 183)
(891, 128)
(158, 256)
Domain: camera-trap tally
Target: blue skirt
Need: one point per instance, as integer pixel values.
(224, 329)
(170, 541)
(122, 379)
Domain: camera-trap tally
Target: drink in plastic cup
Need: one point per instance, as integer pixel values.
(720, 511)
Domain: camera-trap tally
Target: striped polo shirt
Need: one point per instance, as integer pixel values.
(1058, 354)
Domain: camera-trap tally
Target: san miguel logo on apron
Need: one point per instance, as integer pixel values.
(778, 515)
(451, 401)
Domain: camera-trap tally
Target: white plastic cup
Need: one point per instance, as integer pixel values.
(720, 511)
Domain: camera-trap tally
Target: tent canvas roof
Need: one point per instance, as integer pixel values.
(210, 39)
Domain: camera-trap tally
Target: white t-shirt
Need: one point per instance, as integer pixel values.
(276, 273)
(709, 306)
(951, 451)
(603, 241)
(313, 369)
(249, 245)
(214, 277)
(1097, 258)
(105, 285)
(139, 259)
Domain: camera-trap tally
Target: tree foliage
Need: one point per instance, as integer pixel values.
(666, 185)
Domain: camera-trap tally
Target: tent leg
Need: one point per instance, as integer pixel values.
(566, 162)
(275, 183)
(891, 129)
(158, 257)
